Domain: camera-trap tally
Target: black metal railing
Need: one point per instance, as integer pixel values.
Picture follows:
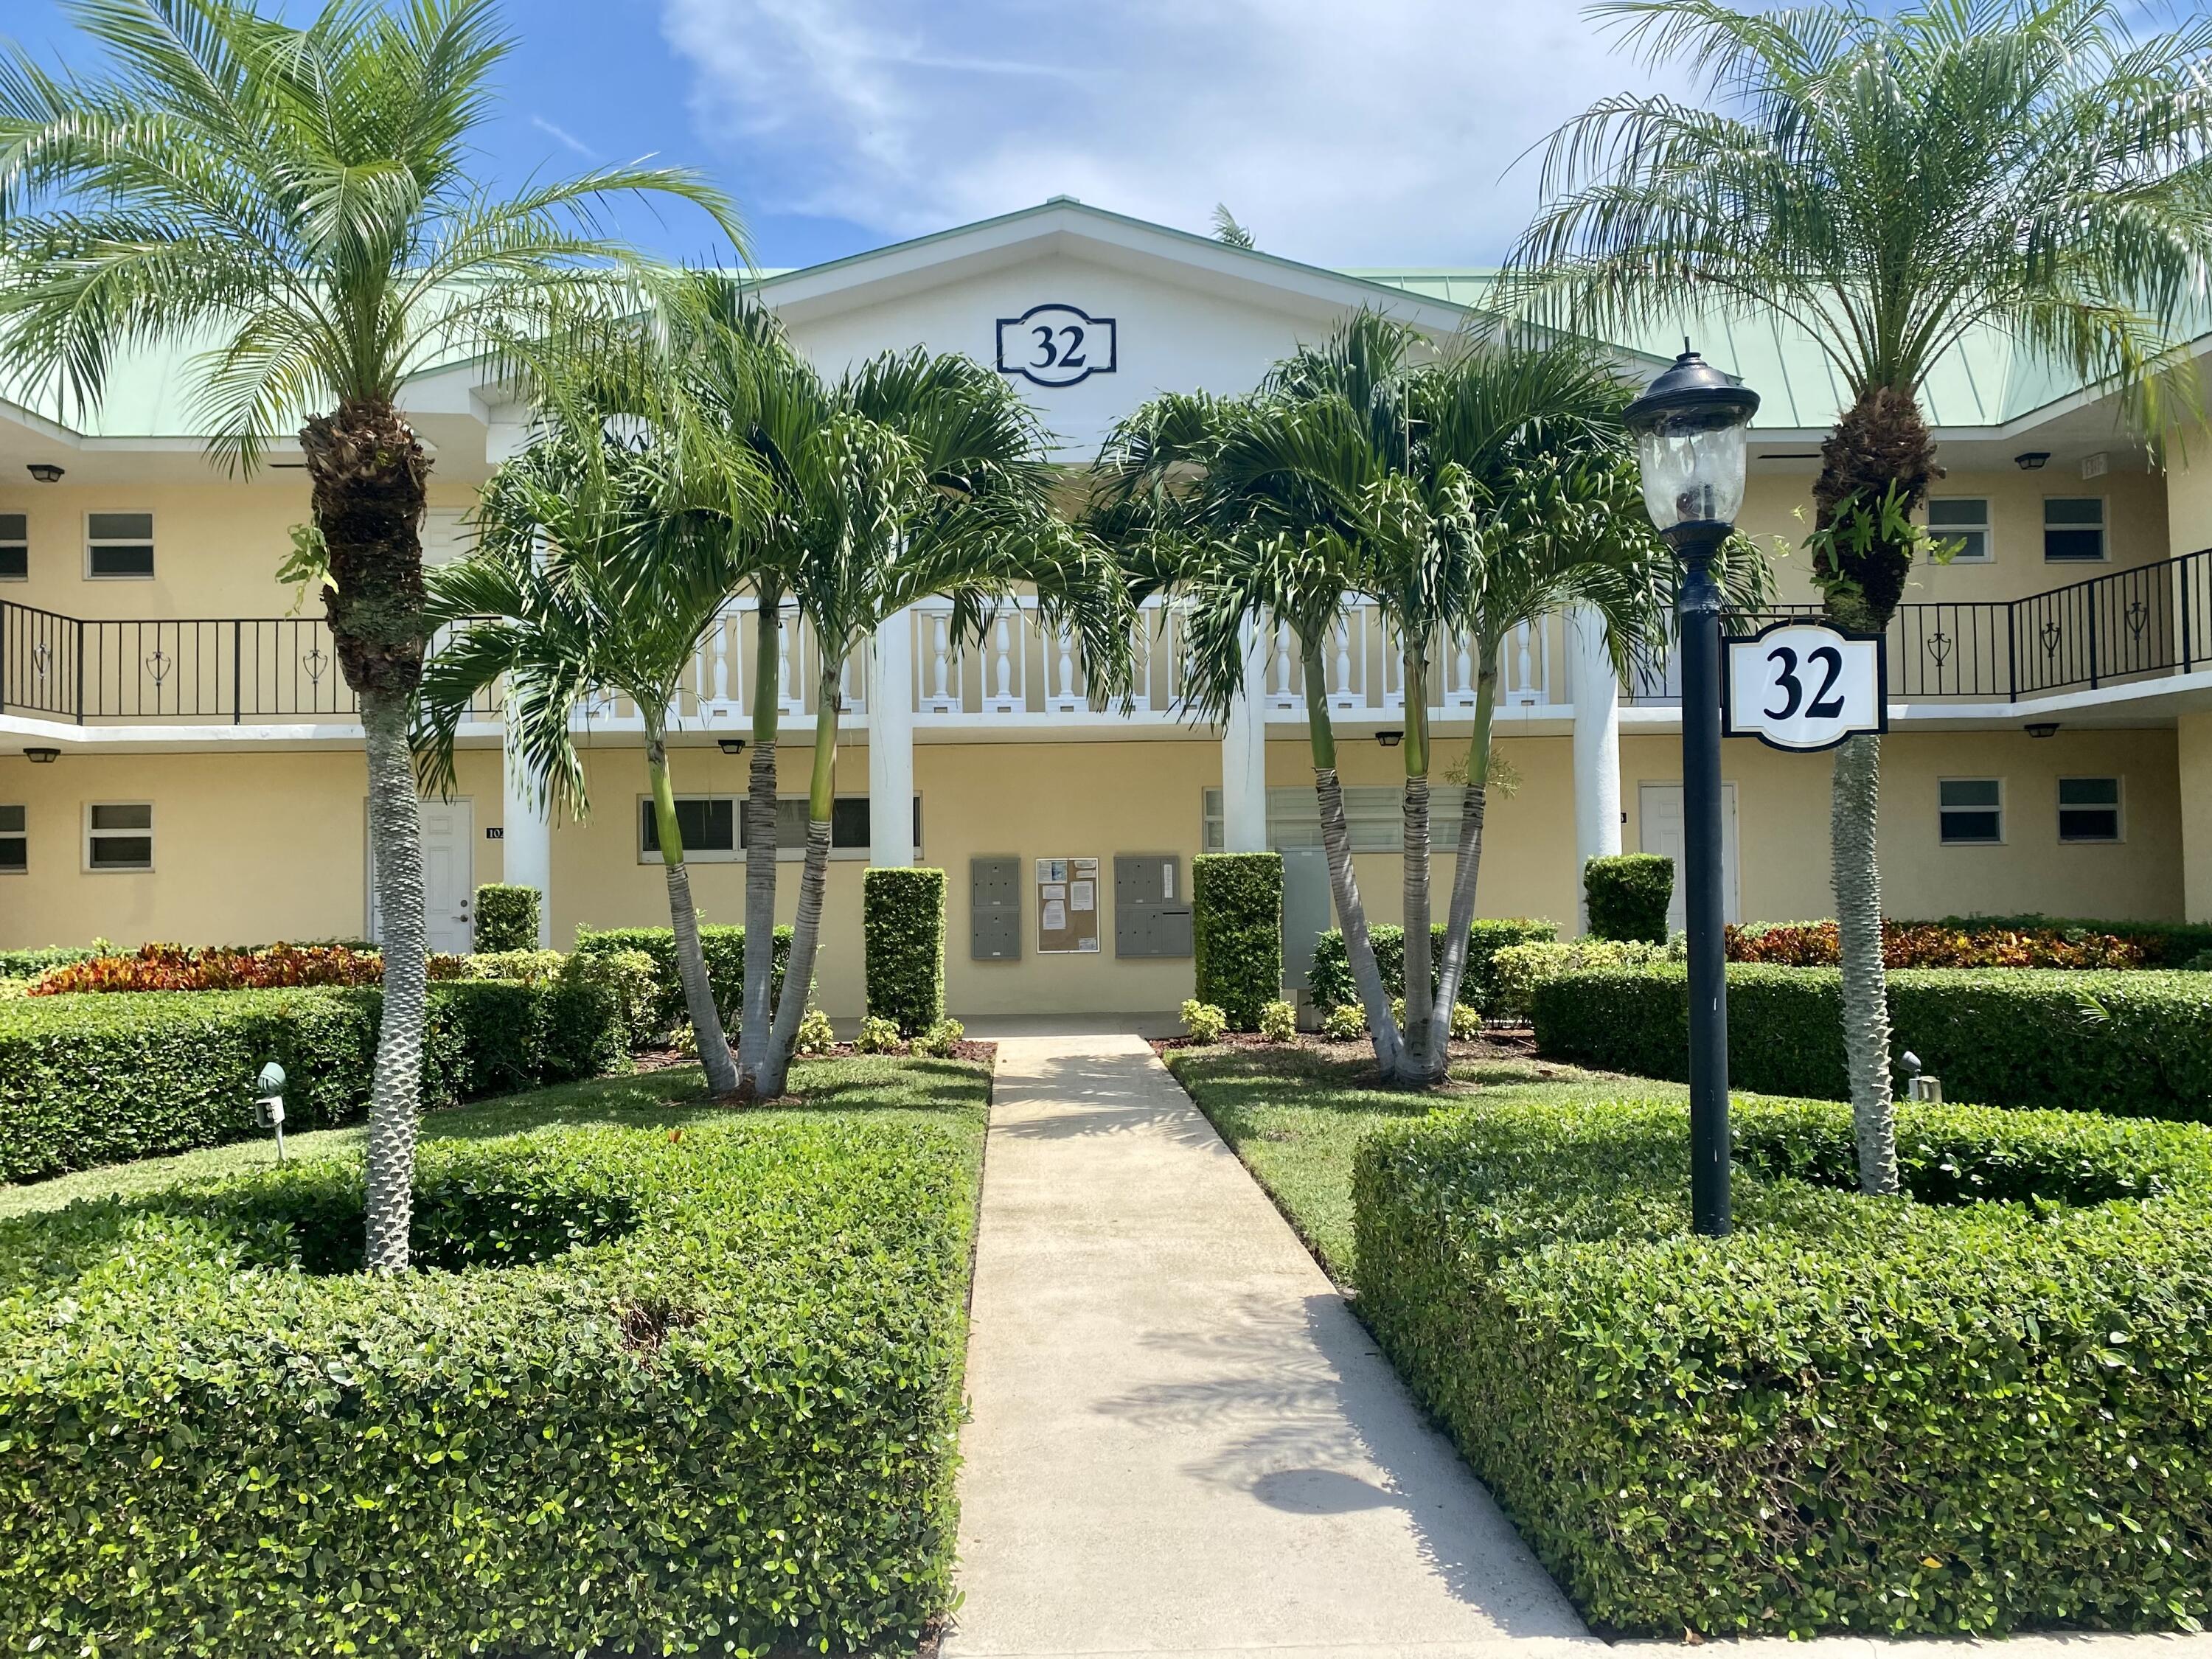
(203, 669)
(2123, 626)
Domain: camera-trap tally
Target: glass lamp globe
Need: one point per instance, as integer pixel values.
(1689, 427)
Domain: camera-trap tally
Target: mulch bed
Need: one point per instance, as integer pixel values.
(662, 1059)
(1502, 1043)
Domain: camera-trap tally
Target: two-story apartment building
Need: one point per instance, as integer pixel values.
(178, 758)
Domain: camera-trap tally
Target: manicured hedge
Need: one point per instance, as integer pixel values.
(724, 951)
(1627, 896)
(1237, 933)
(507, 917)
(94, 1079)
(704, 1398)
(2165, 944)
(1330, 982)
(1921, 1417)
(902, 944)
(2135, 1044)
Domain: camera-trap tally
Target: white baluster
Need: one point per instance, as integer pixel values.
(943, 697)
(1000, 698)
(850, 686)
(1283, 696)
(788, 698)
(1341, 695)
(1061, 694)
(721, 677)
(1462, 694)
(1525, 692)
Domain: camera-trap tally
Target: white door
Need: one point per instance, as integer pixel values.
(1659, 821)
(448, 885)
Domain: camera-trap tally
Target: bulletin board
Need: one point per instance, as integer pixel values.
(1066, 906)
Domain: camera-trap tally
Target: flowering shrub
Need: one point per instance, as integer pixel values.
(816, 1035)
(941, 1041)
(878, 1036)
(1933, 944)
(1278, 1022)
(1466, 1023)
(219, 968)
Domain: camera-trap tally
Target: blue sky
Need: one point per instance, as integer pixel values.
(1349, 132)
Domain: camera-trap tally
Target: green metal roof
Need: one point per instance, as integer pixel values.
(1986, 381)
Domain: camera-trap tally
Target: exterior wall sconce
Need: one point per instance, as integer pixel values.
(1390, 739)
(731, 745)
(45, 471)
(2043, 728)
(42, 757)
(2031, 460)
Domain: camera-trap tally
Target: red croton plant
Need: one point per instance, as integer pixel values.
(225, 967)
(1922, 944)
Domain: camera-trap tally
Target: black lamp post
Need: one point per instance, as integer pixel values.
(1689, 427)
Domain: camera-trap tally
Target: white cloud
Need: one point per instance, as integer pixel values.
(1343, 132)
(564, 136)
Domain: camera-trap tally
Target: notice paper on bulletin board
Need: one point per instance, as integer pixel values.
(1067, 905)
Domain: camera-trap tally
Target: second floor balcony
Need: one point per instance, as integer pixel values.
(2131, 627)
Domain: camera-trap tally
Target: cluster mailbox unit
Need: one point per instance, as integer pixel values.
(1152, 906)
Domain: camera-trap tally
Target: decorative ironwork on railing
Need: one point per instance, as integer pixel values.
(2122, 627)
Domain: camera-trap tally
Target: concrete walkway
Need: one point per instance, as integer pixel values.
(1183, 1442)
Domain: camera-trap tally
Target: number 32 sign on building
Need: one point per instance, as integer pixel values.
(1803, 685)
(1057, 345)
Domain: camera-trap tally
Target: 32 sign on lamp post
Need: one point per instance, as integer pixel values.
(1804, 686)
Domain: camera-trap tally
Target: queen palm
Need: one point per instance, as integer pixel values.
(1888, 184)
(294, 202)
(927, 479)
(586, 583)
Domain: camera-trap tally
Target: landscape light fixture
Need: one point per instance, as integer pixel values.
(731, 745)
(2043, 728)
(1390, 739)
(1689, 428)
(42, 757)
(45, 471)
(2031, 460)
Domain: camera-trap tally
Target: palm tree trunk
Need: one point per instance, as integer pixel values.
(1420, 978)
(806, 928)
(1344, 885)
(1467, 870)
(758, 1014)
(395, 830)
(369, 476)
(1857, 801)
(684, 920)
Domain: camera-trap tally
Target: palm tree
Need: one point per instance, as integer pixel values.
(1888, 184)
(585, 583)
(294, 202)
(927, 479)
(1260, 508)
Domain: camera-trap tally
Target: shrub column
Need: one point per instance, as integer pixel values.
(507, 918)
(1237, 933)
(902, 938)
(1628, 896)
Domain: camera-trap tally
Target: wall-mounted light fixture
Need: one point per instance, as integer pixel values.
(1390, 739)
(2031, 460)
(731, 745)
(2043, 728)
(42, 757)
(45, 471)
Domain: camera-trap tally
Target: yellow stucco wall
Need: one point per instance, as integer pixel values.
(1782, 824)
(256, 847)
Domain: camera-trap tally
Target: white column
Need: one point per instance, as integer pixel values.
(1597, 749)
(891, 741)
(1244, 754)
(525, 829)
(527, 845)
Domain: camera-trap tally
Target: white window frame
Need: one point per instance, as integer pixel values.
(91, 835)
(2120, 809)
(2000, 809)
(22, 835)
(152, 539)
(2103, 526)
(737, 855)
(1213, 820)
(22, 541)
(1944, 532)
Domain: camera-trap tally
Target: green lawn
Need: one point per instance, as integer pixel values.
(675, 1097)
(1296, 1116)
